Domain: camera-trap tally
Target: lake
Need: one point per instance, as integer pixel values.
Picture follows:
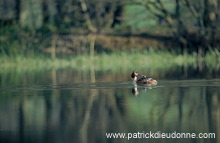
(68, 105)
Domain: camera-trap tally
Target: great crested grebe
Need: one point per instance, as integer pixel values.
(143, 80)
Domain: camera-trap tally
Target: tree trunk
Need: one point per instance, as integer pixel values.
(181, 32)
(210, 19)
(51, 4)
(86, 15)
(31, 13)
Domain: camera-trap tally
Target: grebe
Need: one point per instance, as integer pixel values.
(143, 80)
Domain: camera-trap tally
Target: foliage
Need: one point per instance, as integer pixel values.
(194, 25)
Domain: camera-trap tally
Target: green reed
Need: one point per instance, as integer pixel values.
(148, 59)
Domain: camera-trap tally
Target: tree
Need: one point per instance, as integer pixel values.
(193, 23)
(100, 15)
(51, 11)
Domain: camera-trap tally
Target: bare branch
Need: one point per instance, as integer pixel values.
(162, 7)
(194, 12)
(110, 15)
(87, 16)
(191, 8)
(162, 12)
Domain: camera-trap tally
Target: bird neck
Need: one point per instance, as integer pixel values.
(135, 78)
(134, 81)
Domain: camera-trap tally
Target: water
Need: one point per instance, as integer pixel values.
(81, 107)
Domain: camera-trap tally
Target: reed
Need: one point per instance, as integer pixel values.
(147, 59)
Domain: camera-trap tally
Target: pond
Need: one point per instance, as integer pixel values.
(68, 106)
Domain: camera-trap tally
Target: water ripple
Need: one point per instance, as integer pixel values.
(116, 85)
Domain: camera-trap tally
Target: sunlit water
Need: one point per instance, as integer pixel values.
(64, 106)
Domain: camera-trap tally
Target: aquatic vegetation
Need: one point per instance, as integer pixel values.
(120, 61)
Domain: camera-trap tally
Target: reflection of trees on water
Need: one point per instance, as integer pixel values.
(60, 115)
(93, 94)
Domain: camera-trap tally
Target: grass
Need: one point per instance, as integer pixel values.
(148, 60)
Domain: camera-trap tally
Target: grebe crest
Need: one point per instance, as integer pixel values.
(134, 74)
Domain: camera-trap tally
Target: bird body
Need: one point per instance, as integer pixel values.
(143, 80)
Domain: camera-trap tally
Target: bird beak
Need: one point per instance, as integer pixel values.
(140, 74)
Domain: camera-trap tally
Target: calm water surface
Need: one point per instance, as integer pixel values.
(81, 107)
